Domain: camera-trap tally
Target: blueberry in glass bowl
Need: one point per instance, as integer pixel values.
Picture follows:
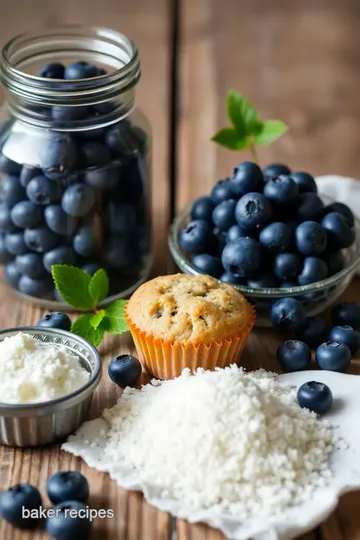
(315, 275)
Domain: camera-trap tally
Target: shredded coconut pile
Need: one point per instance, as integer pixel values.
(225, 440)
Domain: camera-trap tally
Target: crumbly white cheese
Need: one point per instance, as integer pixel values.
(226, 440)
(33, 371)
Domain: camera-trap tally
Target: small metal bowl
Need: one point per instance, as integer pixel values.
(35, 424)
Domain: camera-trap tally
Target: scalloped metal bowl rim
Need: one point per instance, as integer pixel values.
(43, 405)
(186, 266)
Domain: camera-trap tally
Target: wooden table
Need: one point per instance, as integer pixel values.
(298, 61)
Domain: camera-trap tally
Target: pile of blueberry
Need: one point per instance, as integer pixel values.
(343, 339)
(83, 202)
(267, 228)
(67, 490)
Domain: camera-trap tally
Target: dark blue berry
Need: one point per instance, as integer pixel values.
(59, 155)
(242, 257)
(106, 177)
(8, 166)
(12, 273)
(223, 215)
(39, 288)
(85, 242)
(266, 281)
(220, 239)
(17, 498)
(64, 485)
(5, 256)
(28, 173)
(80, 70)
(314, 269)
(335, 262)
(207, 264)
(333, 356)
(40, 239)
(197, 237)
(309, 207)
(276, 237)
(236, 232)
(11, 191)
(122, 217)
(71, 522)
(315, 396)
(91, 268)
(59, 255)
(313, 332)
(30, 264)
(339, 233)
(293, 355)
(15, 243)
(287, 266)
(26, 214)
(247, 177)
(43, 191)
(221, 191)
(78, 200)
(288, 314)
(346, 314)
(275, 169)
(55, 319)
(228, 277)
(6, 224)
(124, 370)
(311, 238)
(124, 140)
(54, 70)
(342, 209)
(281, 190)
(94, 154)
(202, 208)
(58, 221)
(347, 335)
(252, 210)
(305, 182)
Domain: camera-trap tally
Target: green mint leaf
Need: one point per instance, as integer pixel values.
(114, 321)
(270, 131)
(99, 286)
(229, 138)
(97, 318)
(73, 285)
(82, 327)
(241, 114)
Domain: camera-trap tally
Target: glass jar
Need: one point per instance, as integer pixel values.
(74, 162)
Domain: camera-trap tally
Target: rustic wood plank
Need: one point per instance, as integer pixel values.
(295, 61)
(146, 22)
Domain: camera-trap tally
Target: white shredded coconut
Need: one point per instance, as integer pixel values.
(224, 440)
(33, 371)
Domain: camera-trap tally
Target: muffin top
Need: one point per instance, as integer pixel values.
(188, 308)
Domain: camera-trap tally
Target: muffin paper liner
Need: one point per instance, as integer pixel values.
(166, 359)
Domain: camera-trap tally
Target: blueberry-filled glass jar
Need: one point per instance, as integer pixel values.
(74, 162)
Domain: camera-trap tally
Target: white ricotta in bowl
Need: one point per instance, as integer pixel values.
(33, 371)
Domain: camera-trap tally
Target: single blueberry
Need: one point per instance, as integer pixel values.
(314, 269)
(305, 182)
(126, 140)
(287, 266)
(65, 485)
(202, 208)
(91, 268)
(313, 332)
(208, 264)
(94, 154)
(197, 237)
(221, 191)
(40, 239)
(311, 238)
(247, 177)
(59, 155)
(267, 281)
(55, 70)
(39, 288)
(333, 356)
(58, 221)
(80, 70)
(11, 191)
(85, 242)
(253, 210)
(59, 255)
(15, 243)
(242, 257)
(12, 273)
(17, 498)
(41, 190)
(293, 355)
(6, 223)
(55, 319)
(339, 233)
(281, 190)
(315, 396)
(335, 261)
(26, 214)
(232, 279)
(122, 218)
(61, 114)
(78, 200)
(288, 314)
(70, 522)
(342, 209)
(7, 166)
(276, 237)
(347, 335)
(223, 215)
(309, 207)
(5, 256)
(236, 232)
(346, 314)
(28, 173)
(124, 370)
(275, 169)
(30, 264)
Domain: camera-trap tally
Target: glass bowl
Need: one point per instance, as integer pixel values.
(315, 297)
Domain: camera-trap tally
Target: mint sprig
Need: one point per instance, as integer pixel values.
(85, 293)
(246, 130)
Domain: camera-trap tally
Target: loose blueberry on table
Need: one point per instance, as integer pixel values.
(333, 356)
(347, 335)
(293, 355)
(124, 370)
(346, 313)
(67, 486)
(288, 314)
(14, 499)
(315, 396)
(64, 526)
(55, 320)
